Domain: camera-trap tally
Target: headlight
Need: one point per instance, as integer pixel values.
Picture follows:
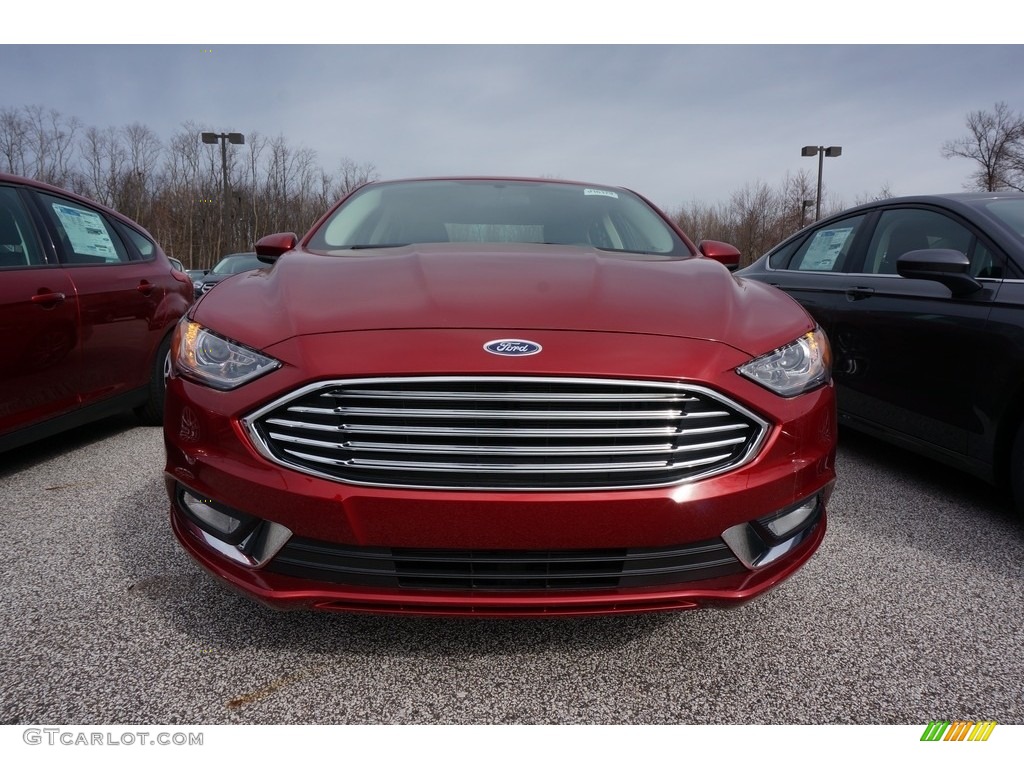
(202, 355)
(795, 368)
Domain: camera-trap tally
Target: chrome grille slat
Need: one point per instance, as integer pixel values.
(525, 450)
(450, 413)
(507, 433)
(470, 432)
(370, 394)
(504, 468)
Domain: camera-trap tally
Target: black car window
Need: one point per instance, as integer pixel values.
(18, 244)
(87, 237)
(780, 258)
(827, 249)
(910, 229)
(985, 262)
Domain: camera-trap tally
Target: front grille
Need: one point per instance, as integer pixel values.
(505, 433)
(503, 570)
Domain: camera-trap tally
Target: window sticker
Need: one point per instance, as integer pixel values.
(86, 231)
(825, 248)
(601, 192)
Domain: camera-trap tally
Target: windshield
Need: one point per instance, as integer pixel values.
(1010, 211)
(484, 211)
(232, 265)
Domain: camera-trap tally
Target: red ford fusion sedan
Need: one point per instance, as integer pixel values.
(498, 397)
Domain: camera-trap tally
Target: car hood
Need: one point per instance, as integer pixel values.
(517, 288)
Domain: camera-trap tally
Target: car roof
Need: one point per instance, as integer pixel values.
(529, 179)
(962, 202)
(513, 179)
(965, 203)
(947, 198)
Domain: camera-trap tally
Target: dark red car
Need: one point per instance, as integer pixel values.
(87, 305)
(498, 397)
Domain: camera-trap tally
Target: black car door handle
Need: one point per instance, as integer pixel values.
(856, 294)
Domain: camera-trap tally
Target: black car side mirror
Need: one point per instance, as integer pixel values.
(943, 265)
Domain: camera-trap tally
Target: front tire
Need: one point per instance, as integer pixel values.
(152, 412)
(1016, 472)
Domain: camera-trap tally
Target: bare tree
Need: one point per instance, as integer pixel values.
(705, 221)
(352, 175)
(103, 157)
(13, 141)
(759, 213)
(181, 207)
(797, 195)
(884, 192)
(255, 144)
(143, 150)
(995, 142)
(49, 139)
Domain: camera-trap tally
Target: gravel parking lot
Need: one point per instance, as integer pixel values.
(910, 612)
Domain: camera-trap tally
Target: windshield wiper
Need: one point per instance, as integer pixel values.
(364, 246)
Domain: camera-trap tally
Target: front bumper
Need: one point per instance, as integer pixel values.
(323, 544)
(285, 592)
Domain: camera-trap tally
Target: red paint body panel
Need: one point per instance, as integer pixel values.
(498, 286)
(125, 312)
(285, 593)
(42, 347)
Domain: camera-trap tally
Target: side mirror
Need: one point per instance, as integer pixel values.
(943, 265)
(269, 248)
(726, 255)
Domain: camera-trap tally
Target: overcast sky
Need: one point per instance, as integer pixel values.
(676, 122)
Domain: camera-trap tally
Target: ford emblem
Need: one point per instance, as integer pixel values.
(513, 347)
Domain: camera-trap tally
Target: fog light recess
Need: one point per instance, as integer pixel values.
(768, 538)
(238, 536)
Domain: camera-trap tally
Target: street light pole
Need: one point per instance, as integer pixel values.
(223, 138)
(822, 153)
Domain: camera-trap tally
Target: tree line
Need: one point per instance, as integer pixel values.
(174, 187)
(759, 216)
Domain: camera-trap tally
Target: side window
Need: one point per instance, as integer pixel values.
(911, 229)
(781, 258)
(87, 237)
(985, 262)
(145, 247)
(828, 249)
(18, 244)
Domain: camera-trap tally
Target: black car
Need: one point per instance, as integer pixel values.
(226, 267)
(923, 301)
